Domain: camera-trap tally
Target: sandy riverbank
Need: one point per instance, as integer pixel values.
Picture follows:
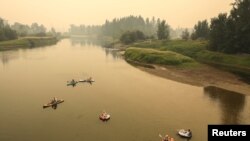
(202, 76)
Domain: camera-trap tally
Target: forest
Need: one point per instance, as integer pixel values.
(10, 32)
(225, 33)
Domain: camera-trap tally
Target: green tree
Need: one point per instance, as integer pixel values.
(130, 37)
(37, 30)
(219, 33)
(22, 30)
(201, 30)
(185, 34)
(6, 33)
(9, 33)
(231, 34)
(2, 36)
(240, 17)
(163, 30)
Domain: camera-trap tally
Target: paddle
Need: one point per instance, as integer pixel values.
(161, 137)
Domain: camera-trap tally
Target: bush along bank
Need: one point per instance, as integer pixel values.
(28, 42)
(152, 56)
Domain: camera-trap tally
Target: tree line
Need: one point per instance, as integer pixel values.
(6, 33)
(226, 33)
(116, 27)
(9, 32)
(127, 29)
(231, 34)
(33, 30)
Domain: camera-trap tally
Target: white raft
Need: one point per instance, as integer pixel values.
(185, 133)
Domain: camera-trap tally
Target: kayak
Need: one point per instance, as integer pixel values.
(90, 81)
(185, 133)
(54, 103)
(71, 83)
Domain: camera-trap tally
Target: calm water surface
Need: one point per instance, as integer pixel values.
(141, 105)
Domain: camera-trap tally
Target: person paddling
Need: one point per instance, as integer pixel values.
(166, 138)
(54, 100)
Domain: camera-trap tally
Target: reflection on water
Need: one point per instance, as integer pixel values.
(6, 56)
(114, 53)
(54, 106)
(81, 41)
(87, 41)
(231, 103)
(95, 42)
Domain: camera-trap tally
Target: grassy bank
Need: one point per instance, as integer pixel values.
(239, 64)
(187, 48)
(197, 50)
(28, 42)
(152, 56)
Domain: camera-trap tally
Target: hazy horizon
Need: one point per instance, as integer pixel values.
(60, 14)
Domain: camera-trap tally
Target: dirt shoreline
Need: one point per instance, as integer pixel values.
(203, 77)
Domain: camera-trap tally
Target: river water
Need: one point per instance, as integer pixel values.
(141, 105)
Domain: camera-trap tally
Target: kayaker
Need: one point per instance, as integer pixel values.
(104, 114)
(189, 132)
(89, 79)
(165, 138)
(54, 100)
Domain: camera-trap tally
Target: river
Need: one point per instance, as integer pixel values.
(141, 105)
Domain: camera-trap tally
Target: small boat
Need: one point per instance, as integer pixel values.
(73, 83)
(185, 133)
(86, 80)
(89, 80)
(104, 116)
(51, 104)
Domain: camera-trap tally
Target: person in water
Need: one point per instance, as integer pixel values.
(189, 132)
(166, 138)
(89, 79)
(104, 113)
(54, 100)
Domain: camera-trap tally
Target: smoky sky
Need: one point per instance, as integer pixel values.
(61, 13)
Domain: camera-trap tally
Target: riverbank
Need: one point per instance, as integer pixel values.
(27, 42)
(153, 57)
(239, 64)
(203, 76)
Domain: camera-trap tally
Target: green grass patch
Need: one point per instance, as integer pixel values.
(188, 48)
(28, 42)
(197, 50)
(239, 64)
(152, 56)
